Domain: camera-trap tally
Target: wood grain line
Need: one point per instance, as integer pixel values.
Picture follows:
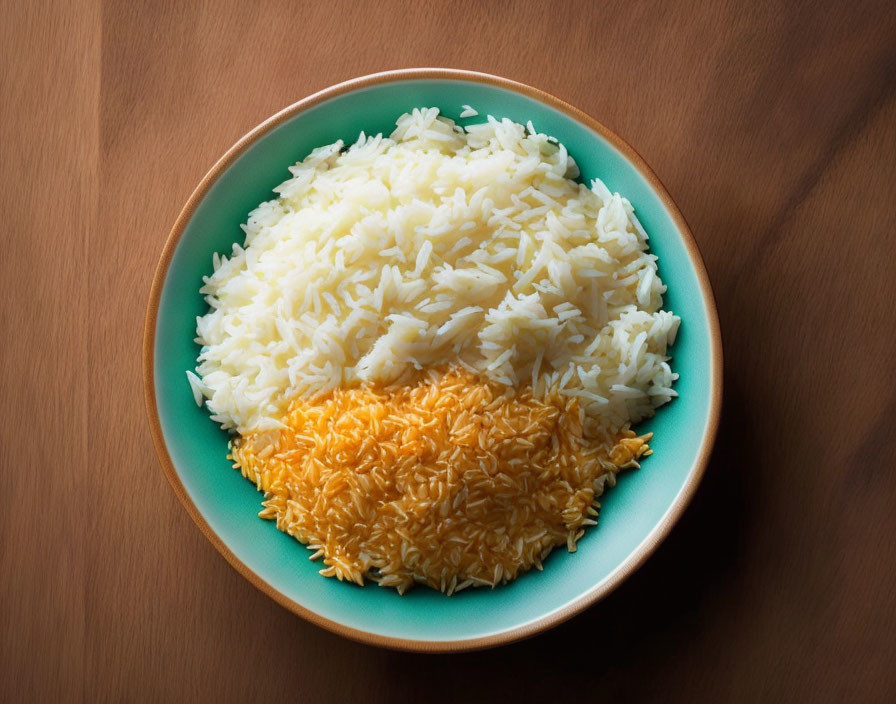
(873, 101)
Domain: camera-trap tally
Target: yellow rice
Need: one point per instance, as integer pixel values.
(450, 482)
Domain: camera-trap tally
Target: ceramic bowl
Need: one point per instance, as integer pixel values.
(636, 515)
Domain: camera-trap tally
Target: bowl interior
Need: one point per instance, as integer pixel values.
(197, 447)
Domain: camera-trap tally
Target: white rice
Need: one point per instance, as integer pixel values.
(437, 246)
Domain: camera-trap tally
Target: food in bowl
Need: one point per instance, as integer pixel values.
(431, 349)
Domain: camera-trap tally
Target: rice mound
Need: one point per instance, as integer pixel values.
(437, 246)
(450, 482)
(430, 350)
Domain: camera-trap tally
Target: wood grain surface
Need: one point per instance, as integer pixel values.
(774, 127)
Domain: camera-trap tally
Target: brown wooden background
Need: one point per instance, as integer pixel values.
(774, 128)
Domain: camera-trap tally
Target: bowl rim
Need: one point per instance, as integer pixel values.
(634, 560)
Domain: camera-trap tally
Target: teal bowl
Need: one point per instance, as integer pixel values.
(636, 515)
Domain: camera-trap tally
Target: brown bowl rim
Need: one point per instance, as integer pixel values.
(633, 561)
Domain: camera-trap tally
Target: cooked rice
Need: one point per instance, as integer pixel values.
(437, 246)
(431, 348)
(451, 482)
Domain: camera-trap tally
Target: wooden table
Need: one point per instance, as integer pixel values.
(774, 128)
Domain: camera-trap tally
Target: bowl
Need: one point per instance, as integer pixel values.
(636, 515)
